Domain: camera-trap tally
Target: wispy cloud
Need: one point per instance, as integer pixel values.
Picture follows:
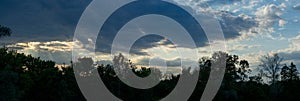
(297, 6)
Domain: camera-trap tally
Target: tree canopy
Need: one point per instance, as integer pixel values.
(26, 78)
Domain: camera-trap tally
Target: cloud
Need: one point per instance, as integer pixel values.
(148, 42)
(204, 4)
(48, 27)
(268, 15)
(282, 23)
(291, 56)
(151, 24)
(288, 57)
(293, 46)
(265, 19)
(253, 58)
(233, 25)
(58, 51)
(54, 20)
(47, 46)
(170, 63)
(242, 47)
(297, 7)
(44, 21)
(292, 53)
(41, 20)
(233, 15)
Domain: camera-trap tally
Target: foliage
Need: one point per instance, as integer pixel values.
(26, 78)
(289, 73)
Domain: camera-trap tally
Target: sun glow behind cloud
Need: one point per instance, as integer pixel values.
(252, 28)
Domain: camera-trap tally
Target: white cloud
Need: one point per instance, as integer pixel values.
(243, 19)
(233, 26)
(265, 18)
(58, 51)
(282, 23)
(268, 15)
(293, 46)
(297, 6)
(241, 47)
(253, 58)
(292, 53)
(44, 46)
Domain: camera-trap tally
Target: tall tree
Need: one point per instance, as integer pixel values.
(271, 64)
(289, 73)
(205, 67)
(294, 72)
(231, 68)
(243, 70)
(285, 75)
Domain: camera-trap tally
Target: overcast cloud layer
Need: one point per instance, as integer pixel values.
(45, 28)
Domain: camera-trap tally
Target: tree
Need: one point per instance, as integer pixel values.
(4, 31)
(8, 84)
(258, 77)
(271, 64)
(243, 70)
(23, 77)
(294, 72)
(122, 65)
(285, 73)
(231, 71)
(85, 66)
(289, 73)
(205, 68)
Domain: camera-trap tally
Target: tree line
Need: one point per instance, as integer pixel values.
(23, 77)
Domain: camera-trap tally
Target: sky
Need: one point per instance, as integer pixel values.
(252, 28)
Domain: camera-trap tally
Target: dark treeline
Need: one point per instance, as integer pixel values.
(27, 78)
(23, 77)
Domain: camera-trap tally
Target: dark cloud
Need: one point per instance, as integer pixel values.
(41, 20)
(147, 42)
(295, 55)
(233, 25)
(48, 20)
(120, 17)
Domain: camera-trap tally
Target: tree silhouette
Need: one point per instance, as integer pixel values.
(8, 84)
(293, 72)
(285, 75)
(271, 64)
(289, 73)
(243, 70)
(26, 78)
(258, 77)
